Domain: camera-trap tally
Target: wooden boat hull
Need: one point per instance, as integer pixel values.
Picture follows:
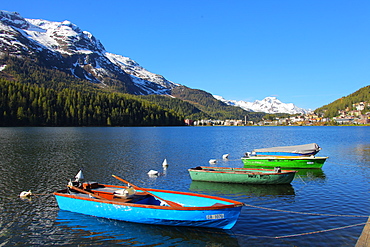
(241, 175)
(197, 211)
(297, 150)
(284, 162)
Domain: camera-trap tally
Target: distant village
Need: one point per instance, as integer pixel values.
(354, 116)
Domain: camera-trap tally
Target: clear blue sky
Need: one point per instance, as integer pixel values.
(306, 52)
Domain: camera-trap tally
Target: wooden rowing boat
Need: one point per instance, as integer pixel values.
(296, 150)
(291, 157)
(241, 175)
(290, 162)
(149, 206)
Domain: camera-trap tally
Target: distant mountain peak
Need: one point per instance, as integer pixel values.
(13, 19)
(267, 105)
(64, 37)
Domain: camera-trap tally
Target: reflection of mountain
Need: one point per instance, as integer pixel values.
(242, 189)
(111, 232)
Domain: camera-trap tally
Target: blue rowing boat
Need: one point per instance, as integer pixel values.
(149, 206)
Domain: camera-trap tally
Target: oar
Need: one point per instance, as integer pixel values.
(171, 203)
(86, 192)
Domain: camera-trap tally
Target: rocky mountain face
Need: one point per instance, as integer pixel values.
(267, 105)
(64, 46)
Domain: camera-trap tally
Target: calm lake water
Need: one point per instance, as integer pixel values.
(333, 201)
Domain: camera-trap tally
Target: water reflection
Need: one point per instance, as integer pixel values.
(311, 174)
(118, 232)
(242, 189)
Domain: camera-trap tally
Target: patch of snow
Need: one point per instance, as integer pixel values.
(135, 70)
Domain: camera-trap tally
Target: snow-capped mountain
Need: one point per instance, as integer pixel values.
(267, 105)
(64, 46)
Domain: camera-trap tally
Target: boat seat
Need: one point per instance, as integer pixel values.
(125, 193)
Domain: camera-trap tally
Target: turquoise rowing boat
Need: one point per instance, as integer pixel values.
(241, 175)
(149, 206)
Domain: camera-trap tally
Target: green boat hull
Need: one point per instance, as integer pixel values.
(291, 162)
(241, 175)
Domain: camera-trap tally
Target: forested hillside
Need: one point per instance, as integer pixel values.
(177, 106)
(30, 105)
(214, 108)
(331, 110)
(31, 95)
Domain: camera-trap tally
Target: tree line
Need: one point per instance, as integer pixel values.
(32, 95)
(25, 104)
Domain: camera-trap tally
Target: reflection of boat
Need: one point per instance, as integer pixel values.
(242, 189)
(299, 156)
(241, 175)
(310, 175)
(95, 230)
(315, 173)
(149, 206)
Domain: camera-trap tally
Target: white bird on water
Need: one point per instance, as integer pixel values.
(212, 161)
(225, 156)
(153, 172)
(165, 164)
(79, 177)
(25, 194)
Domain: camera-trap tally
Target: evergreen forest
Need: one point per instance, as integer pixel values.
(346, 102)
(31, 95)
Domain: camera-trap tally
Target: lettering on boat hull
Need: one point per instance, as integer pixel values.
(215, 216)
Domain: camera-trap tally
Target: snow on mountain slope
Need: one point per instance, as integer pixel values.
(267, 105)
(64, 37)
(64, 46)
(140, 75)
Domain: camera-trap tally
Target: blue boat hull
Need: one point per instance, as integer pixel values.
(224, 218)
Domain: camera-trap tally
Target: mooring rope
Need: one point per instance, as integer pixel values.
(295, 212)
(321, 231)
(286, 236)
(302, 179)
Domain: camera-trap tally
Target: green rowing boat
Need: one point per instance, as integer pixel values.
(284, 161)
(241, 175)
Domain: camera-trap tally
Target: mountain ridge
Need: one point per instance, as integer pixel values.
(63, 45)
(269, 105)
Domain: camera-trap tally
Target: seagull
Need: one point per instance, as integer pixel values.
(225, 156)
(212, 161)
(153, 172)
(25, 194)
(79, 177)
(165, 164)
